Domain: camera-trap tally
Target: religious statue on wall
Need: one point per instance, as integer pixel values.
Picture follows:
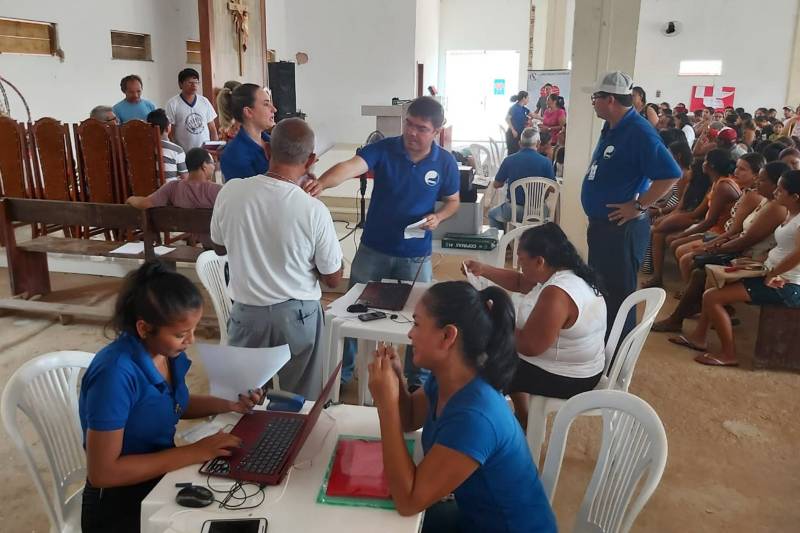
(240, 27)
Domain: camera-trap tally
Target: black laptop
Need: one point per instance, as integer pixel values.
(391, 296)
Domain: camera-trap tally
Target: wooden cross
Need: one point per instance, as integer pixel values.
(240, 14)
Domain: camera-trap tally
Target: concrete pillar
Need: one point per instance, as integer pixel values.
(793, 90)
(605, 35)
(559, 33)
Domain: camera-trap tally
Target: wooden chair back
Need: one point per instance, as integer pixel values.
(53, 163)
(141, 144)
(13, 157)
(97, 162)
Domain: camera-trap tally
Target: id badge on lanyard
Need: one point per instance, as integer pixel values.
(592, 171)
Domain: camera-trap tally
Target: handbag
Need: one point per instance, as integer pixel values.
(719, 275)
(713, 259)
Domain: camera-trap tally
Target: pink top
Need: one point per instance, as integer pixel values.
(188, 195)
(551, 117)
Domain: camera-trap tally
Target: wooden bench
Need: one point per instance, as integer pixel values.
(777, 345)
(29, 275)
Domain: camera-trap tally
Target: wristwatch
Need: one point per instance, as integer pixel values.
(639, 207)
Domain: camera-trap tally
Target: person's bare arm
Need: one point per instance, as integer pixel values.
(510, 280)
(767, 220)
(622, 213)
(553, 311)
(212, 131)
(336, 175)
(449, 207)
(201, 405)
(106, 467)
(721, 200)
(652, 116)
(332, 280)
(139, 202)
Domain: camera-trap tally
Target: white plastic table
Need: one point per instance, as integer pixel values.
(341, 324)
(291, 506)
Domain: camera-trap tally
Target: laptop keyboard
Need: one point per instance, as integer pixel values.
(269, 452)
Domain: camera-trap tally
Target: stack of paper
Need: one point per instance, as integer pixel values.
(233, 370)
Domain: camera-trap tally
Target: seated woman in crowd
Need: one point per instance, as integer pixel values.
(473, 446)
(561, 322)
(690, 209)
(640, 104)
(791, 156)
(780, 285)
(754, 242)
(747, 169)
(724, 192)
(555, 116)
(133, 394)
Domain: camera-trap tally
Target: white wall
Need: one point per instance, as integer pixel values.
(483, 25)
(88, 76)
(426, 36)
(360, 53)
(753, 39)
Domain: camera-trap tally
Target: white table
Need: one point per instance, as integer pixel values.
(341, 324)
(296, 510)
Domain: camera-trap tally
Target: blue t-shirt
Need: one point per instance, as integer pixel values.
(504, 494)
(519, 115)
(527, 163)
(626, 157)
(243, 157)
(125, 111)
(122, 389)
(403, 193)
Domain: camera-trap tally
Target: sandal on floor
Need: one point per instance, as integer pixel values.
(680, 340)
(665, 326)
(710, 360)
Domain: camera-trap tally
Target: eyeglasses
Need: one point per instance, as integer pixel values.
(595, 96)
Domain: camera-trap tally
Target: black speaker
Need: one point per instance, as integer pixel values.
(281, 83)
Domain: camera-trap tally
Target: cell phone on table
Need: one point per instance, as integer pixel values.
(236, 525)
(374, 315)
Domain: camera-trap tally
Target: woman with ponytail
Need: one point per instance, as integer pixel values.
(473, 446)
(561, 323)
(228, 127)
(516, 119)
(133, 394)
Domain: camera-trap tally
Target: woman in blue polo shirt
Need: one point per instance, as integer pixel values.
(246, 155)
(473, 445)
(516, 119)
(133, 395)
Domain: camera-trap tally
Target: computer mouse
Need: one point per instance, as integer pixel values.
(194, 496)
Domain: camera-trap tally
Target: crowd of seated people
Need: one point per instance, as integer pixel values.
(737, 200)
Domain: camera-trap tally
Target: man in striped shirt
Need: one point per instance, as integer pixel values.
(173, 155)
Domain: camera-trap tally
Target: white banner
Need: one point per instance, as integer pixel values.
(538, 78)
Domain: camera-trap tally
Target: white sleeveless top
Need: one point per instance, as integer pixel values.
(759, 249)
(579, 351)
(785, 239)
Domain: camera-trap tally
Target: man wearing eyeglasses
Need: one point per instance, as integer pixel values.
(631, 168)
(191, 114)
(411, 173)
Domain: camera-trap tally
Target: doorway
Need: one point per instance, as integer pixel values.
(478, 88)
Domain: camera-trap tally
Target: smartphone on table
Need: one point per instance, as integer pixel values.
(236, 525)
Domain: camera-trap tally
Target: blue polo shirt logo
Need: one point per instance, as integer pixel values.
(432, 178)
(608, 152)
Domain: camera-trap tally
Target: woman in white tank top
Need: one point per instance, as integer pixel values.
(561, 320)
(781, 285)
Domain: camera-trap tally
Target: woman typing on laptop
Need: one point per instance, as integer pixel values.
(133, 395)
(473, 445)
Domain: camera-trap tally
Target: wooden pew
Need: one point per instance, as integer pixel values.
(162, 220)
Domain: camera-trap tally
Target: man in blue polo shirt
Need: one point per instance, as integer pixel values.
(246, 155)
(629, 156)
(411, 173)
(527, 163)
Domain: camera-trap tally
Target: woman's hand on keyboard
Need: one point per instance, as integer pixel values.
(216, 445)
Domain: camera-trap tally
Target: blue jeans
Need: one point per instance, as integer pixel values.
(501, 214)
(371, 265)
(616, 253)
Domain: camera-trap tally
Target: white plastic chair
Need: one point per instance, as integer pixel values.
(484, 162)
(509, 238)
(45, 390)
(541, 198)
(498, 150)
(615, 377)
(210, 269)
(633, 454)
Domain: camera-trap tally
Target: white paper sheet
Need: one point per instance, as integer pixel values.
(478, 282)
(413, 231)
(232, 370)
(161, 250)
(482, 181)
(129, 248)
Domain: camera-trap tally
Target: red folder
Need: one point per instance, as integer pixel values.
(358, 470)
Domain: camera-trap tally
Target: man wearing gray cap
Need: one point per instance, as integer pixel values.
(631, 168)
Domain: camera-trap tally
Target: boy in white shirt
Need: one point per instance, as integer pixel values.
(190, 113)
